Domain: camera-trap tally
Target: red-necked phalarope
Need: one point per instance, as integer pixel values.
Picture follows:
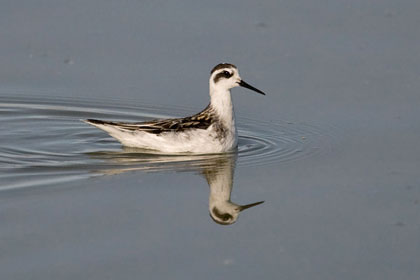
(212, 130)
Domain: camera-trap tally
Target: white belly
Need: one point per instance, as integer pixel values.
(201, 141)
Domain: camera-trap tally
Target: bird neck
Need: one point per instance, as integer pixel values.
(220, 182)
(221, 102)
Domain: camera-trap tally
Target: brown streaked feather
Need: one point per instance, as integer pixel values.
(201, 120)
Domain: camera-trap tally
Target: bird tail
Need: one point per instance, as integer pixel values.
(97, 122)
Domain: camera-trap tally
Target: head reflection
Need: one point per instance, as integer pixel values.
(218, 169)
(219, 176)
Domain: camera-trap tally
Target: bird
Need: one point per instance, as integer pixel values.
(212, 130)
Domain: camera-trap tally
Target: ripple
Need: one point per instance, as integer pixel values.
(44, 141)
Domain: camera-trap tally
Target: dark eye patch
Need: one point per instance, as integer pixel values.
(227, 74)
(224, 74)
(223, 216)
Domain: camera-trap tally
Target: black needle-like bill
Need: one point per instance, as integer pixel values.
(243, 207)
(245, 85)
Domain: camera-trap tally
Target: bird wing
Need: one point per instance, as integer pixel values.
(201, 120)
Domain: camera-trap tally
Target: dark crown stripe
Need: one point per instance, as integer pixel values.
(221, 66)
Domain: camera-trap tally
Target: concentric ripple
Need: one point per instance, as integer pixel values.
(43, 141)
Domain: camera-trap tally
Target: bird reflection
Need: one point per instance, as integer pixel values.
(220, 179)
(218, 169)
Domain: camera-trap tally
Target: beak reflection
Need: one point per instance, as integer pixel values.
(243, 207)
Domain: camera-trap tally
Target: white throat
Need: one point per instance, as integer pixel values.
(221, 102)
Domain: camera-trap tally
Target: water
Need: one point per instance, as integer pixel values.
(44, 141)
(332, 149)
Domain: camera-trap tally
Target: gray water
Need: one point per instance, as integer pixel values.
(332, 150)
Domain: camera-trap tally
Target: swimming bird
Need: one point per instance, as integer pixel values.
(212, 130)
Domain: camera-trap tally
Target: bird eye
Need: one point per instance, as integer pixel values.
(226, 74)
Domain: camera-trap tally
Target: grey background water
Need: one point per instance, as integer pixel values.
(349, 68)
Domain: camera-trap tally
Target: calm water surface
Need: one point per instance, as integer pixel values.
(332, 149)
(44, 141)
(72, 195)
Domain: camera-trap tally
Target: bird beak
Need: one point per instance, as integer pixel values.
(243, 207)
(245, 85)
